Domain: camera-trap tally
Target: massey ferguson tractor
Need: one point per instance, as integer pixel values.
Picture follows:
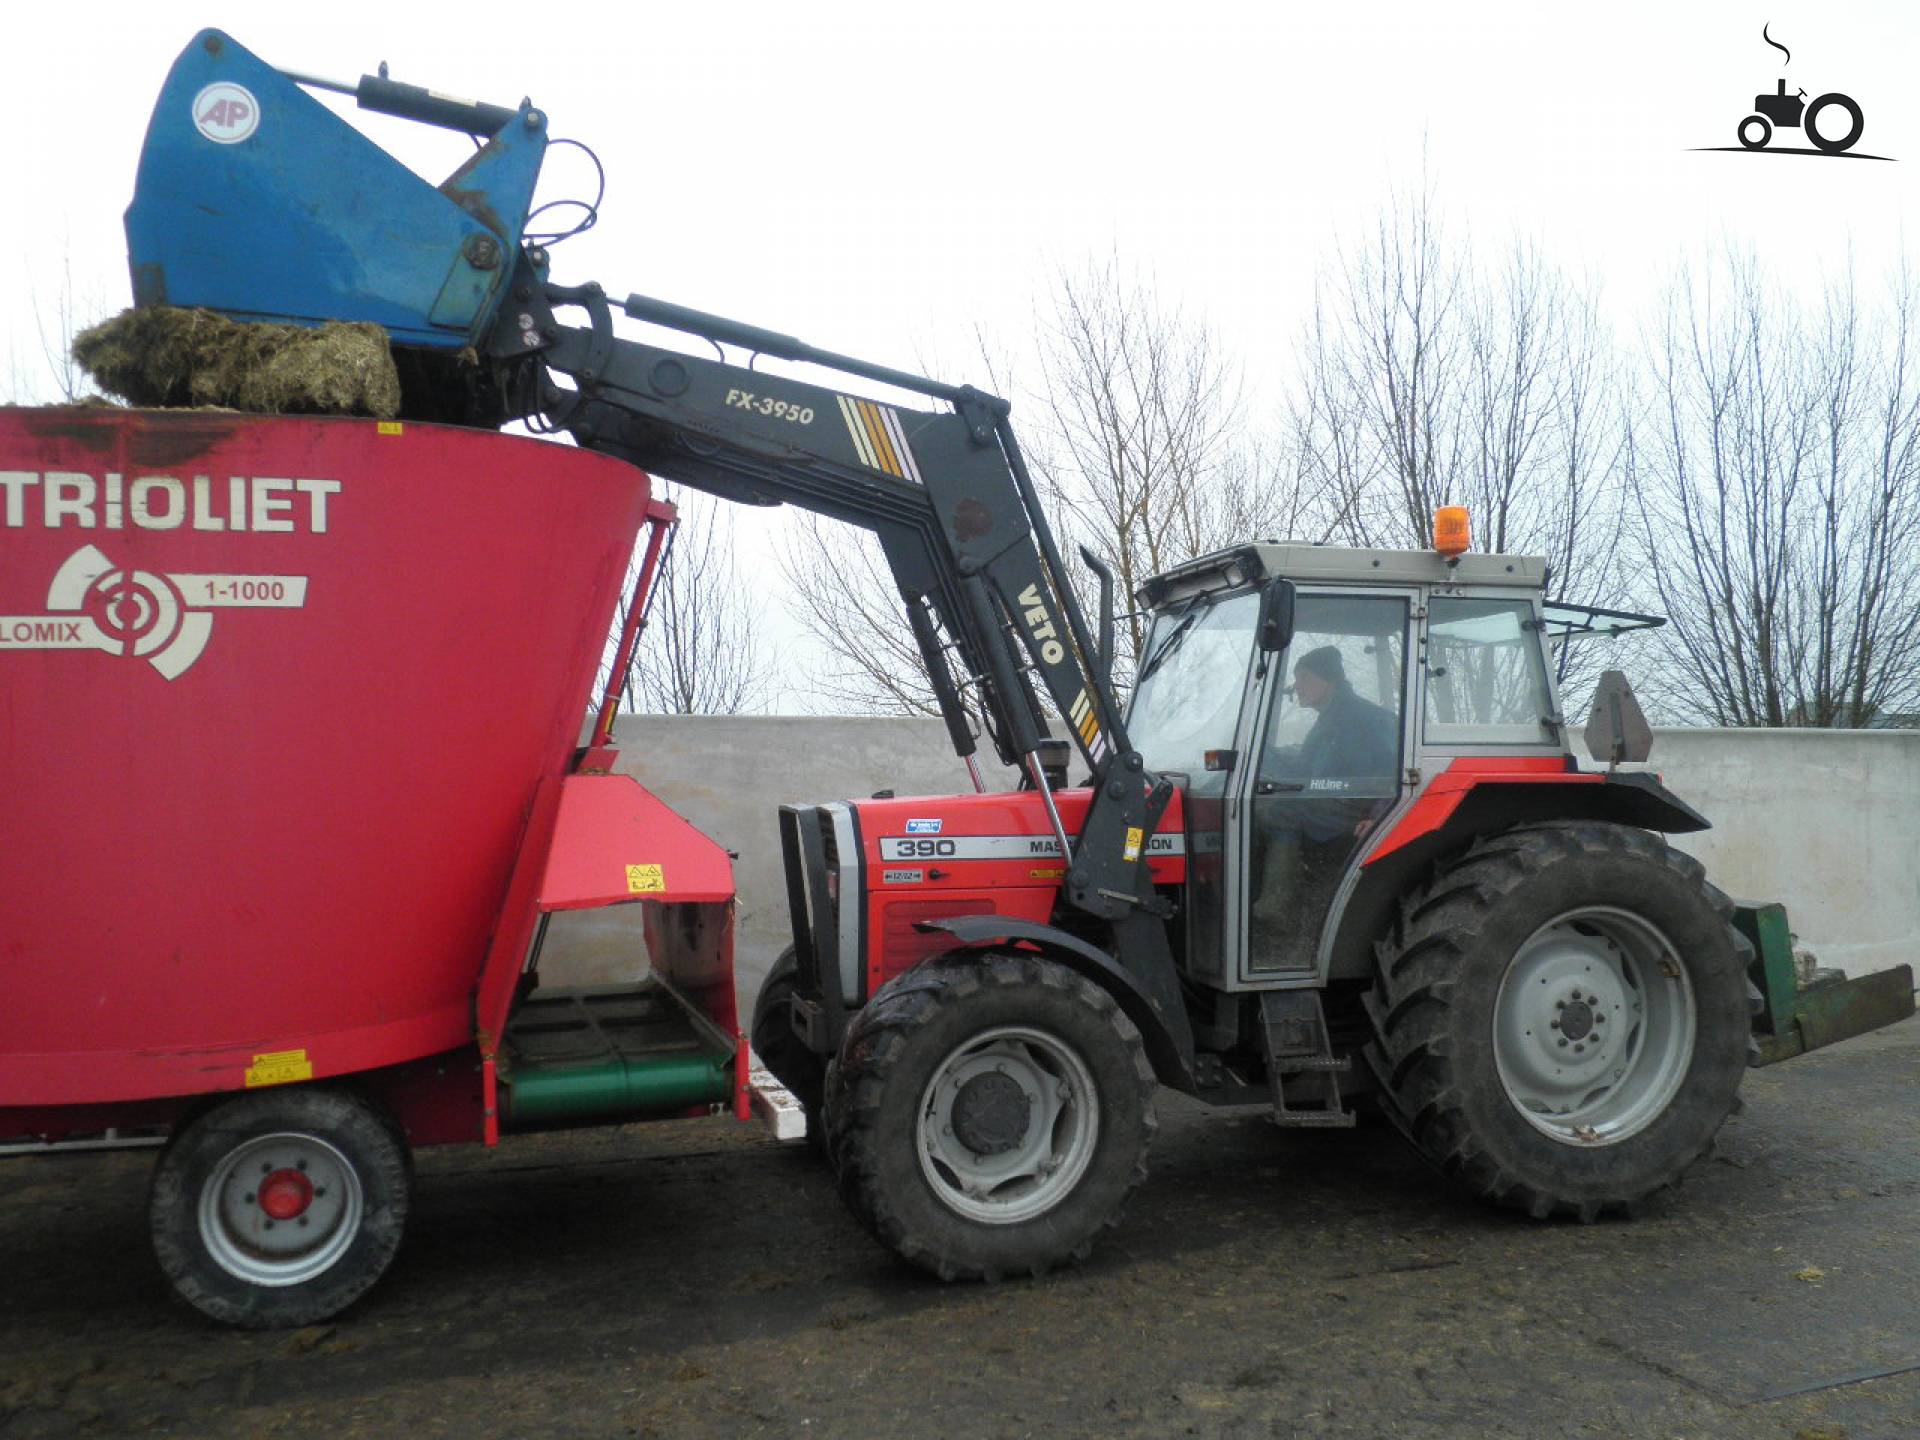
(1335, 850)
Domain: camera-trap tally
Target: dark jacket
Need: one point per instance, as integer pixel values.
(1354, 739)
(1354, 746)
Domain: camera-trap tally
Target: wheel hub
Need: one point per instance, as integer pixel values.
(285, 1194)
(991, 1114)
(1593, 1026)
(1576, 1019)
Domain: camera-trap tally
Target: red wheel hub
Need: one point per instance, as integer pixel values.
(285, 1194)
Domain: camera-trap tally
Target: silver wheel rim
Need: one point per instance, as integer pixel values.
(1593, 1027)
(238, 1223)
(1043, 1157)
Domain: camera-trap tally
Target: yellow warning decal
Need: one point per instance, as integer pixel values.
(646, 879)
(279, 1067)
(390, 427)
(1053, 874)
(1135, 835)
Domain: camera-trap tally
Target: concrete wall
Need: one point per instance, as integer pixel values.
(1828, 821)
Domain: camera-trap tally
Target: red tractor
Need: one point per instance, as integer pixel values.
(1381, 879)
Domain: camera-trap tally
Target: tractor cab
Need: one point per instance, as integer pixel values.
(1304, 748)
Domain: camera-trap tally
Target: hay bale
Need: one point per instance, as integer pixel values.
(163, 356)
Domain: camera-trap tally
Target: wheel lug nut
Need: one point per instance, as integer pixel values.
(1554, 1024)
(303, 1220)
(1562, 1042)
(1559, 1004)
(249, 1199)
(319, 1192)
(268, 1225)
(300, 1165)
(266, 1167)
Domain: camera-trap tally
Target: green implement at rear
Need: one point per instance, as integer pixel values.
(1796, 1018)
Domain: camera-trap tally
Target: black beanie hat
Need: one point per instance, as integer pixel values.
(1324, 662)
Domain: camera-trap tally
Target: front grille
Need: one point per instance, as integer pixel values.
(812, 858)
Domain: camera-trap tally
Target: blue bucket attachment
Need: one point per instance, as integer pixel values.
(255, 200)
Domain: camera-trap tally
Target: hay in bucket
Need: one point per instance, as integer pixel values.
(160, 355)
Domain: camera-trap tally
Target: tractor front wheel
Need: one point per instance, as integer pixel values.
(280, 1207)
(779, 1047)
(990, 1116)
(1563, 1016)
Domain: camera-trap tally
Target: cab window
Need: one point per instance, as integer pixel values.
(1187, 699)
(1486, 676)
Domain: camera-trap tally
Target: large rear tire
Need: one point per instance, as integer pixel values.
(1562, 1017)
(990, 1116)
(280, 1207)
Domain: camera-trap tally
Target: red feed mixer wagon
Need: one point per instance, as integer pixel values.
(291, 715)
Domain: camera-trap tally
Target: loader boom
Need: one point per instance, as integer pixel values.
(947, 494)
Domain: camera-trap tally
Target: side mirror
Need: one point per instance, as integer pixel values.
(1275, 629)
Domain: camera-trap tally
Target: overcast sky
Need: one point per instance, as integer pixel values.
(880, 179)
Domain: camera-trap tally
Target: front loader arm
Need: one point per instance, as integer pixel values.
(946, 493)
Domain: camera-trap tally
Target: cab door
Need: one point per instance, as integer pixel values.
(1326, 766)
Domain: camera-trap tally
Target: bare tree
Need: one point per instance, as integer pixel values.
(1426, 378)
(701, 652)
(59, 313)
(1779, 502)
(1143, 443)
(850, 607)
(1133, 422)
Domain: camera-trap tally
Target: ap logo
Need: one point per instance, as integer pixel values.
(226, 113)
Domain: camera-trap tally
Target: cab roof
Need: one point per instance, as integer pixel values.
(1339, 564)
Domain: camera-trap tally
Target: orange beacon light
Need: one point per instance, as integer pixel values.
(1452, 535)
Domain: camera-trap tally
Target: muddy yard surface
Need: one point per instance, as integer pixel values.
(691, 1280)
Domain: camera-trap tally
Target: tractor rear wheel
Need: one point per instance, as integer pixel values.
(280, 1207)
(990, 1116)
(1562, 1017)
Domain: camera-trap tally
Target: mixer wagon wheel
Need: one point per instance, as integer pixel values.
(280, 1207)
(989, 1115)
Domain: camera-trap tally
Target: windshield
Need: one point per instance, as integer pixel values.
(1188, 702)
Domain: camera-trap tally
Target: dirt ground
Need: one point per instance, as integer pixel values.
(692, 1280)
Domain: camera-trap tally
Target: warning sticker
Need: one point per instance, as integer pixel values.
(1053, 874)
(279, 1067)
(646, 879)
(390, 427)
(1135, 836)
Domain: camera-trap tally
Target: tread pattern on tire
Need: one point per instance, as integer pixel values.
(1416, 966)
(875, 1044)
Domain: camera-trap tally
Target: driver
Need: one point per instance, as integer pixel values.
(1352, 738)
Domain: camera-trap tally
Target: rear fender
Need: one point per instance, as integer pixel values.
(1461, 805)
(981, 932)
